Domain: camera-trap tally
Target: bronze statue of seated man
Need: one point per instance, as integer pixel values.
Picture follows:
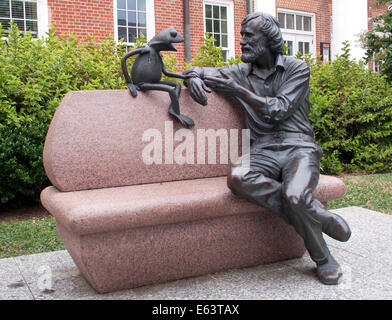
(273, 91)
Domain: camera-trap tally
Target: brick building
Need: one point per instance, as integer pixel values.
(307, 25)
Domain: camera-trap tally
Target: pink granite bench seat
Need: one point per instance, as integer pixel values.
(127, 224)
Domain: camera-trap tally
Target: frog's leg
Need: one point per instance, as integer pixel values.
(174, 108)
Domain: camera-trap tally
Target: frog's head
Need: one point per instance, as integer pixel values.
(164, 40)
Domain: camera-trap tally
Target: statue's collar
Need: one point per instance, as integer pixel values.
(264, 74)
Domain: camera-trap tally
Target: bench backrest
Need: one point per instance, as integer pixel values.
(95, 139)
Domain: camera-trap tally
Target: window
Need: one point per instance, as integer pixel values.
(134, 18)
(294, 21)
(298, 31)
(325, 50)
(218, 23)
(23, 13)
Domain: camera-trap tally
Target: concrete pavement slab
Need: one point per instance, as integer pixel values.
(366, 260)
(12, 283)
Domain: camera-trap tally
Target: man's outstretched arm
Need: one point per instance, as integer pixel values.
(196, 84)
(277, 108)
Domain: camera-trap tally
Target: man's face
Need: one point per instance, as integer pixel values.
(253, 42)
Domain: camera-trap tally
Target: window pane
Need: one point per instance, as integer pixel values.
(216, 12)
(121, 4)
(141, 20)
(17, 9)
(20, 24)
(31, 10)
(325, 54)
(289, 21)
(307, 47)
(216, 26)
(224, 54)
(141, 5)
(5, 23)
(307, 24)
(301, 47)
(223, 12)
(209, 25)
(31, 26)
(281, 18)
(122, 17)
(4, 8)
(299, 23)
(217, 40)
(132, 34)
(208, 11)
(131, 19)
(131, 4)
(142, 31)
(224, 26)
(224, 41)
(122, 33)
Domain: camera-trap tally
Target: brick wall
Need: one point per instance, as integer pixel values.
(95, 18)
(322, 10)
(82, 17)
(171, 13)
(374, 11)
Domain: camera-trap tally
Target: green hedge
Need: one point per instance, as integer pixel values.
(351, 107)
(351, 113)
(34, 77)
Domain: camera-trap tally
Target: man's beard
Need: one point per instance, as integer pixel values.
(252, 54)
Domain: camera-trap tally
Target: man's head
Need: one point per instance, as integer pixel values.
(261, 35)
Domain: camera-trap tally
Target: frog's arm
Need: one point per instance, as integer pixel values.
(128, 80)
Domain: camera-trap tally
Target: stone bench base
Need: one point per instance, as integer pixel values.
(126, 237)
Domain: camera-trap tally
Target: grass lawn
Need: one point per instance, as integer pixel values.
(373, 192)
(39, 235)
(29, 236)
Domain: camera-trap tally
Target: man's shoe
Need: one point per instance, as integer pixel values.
(333, 225)
(330, 272)
(336, 227)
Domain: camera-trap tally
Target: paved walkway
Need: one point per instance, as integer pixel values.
(366, 260)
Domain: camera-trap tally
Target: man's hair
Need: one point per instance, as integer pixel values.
(270, 27)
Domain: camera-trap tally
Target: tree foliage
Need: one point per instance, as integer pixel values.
(378, 42)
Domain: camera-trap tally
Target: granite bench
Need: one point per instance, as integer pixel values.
(127, 223)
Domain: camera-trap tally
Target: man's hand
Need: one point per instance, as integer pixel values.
(225, 85)
(197, 88)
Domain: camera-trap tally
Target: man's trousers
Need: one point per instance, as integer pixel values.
(281, 176)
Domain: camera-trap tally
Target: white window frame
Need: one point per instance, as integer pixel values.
(230, 23)
(150, 20)
(42, 18)
(289, 34)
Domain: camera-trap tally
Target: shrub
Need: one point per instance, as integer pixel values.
(35, 74)
(209, 55)
(351, 113)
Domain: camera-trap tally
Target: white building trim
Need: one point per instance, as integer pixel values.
(349, 19)
(267, 6)
(43, 17)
